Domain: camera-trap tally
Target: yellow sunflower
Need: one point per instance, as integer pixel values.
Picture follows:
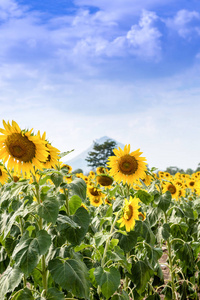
(96, 200)
(172, 188)
(130, 213)
(191, 183)
(92, 191)
(21, 149)
(147, 179)
(68, 167)
(101, 170)
(127, 166)
(53, 153)
(3, 175)
(104, 180)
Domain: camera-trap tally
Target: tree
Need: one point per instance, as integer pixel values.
(101, 152)
(174, 170)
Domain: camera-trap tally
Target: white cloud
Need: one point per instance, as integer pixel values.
(145, 38)
(9, 8)
(182, 22)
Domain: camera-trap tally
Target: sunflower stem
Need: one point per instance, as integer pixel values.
(106, 247)
(40, 223)
(171, 265)
(108, 240)
(67, 201)
(22, 231)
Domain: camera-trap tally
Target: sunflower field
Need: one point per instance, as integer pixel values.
(101, 236)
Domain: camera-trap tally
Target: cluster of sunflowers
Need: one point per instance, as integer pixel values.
(23, 153)
(180, 185)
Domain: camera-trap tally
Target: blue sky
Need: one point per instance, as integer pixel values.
(83, 69)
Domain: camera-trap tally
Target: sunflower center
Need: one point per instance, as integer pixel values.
(104, 180)
(15, 178)
(191, 183)
(1, 173)
(128, 213)
(20, 147)
(96, 200)
(172, 189)
(93, 192)
(127, 164)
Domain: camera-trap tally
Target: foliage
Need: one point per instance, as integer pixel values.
(56, 245)
(100, 153)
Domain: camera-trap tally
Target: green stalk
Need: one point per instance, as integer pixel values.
(67, 201)
(22, 231)
(106, 247)
(43, 263)
(169, 247)
(108, 240)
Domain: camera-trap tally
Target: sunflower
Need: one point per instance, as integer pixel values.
(130, 213)
(96, 200)
(191, 183)
(93, 191)
(125, 166)
(21, 149)
(53, 153)
(104, 180)
(101, 170)
(3, 175)
(172, 188)
(147, 179)
(68, 167)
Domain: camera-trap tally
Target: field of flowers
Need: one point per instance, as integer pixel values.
(100, 236)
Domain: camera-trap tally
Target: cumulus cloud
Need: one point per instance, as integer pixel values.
(145, 37)
(142, 40)
(9, 8)
(185, 22)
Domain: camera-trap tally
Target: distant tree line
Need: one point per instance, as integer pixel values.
(174, 170)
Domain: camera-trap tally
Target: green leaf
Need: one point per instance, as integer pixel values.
(165, 201)
(78, 187)
(10, 244)
(63, 220)
(65, 153)
(10, 279)
(141, 273)
(185, 254)
(24, 294)
(128, 242)
(71, 275)
(108, 279)
(57, 179)
(7, 220)
(118, 256)
(48, 210)
(74, 203)
(54, 294)
(27, 252)
(154, 254)
(165, 231)
(144, 197)
(143, 229)
(154, 215)
(76, 235)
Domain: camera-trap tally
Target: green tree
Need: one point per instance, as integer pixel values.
(198, 168)
(174, 170)
(101, 152)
